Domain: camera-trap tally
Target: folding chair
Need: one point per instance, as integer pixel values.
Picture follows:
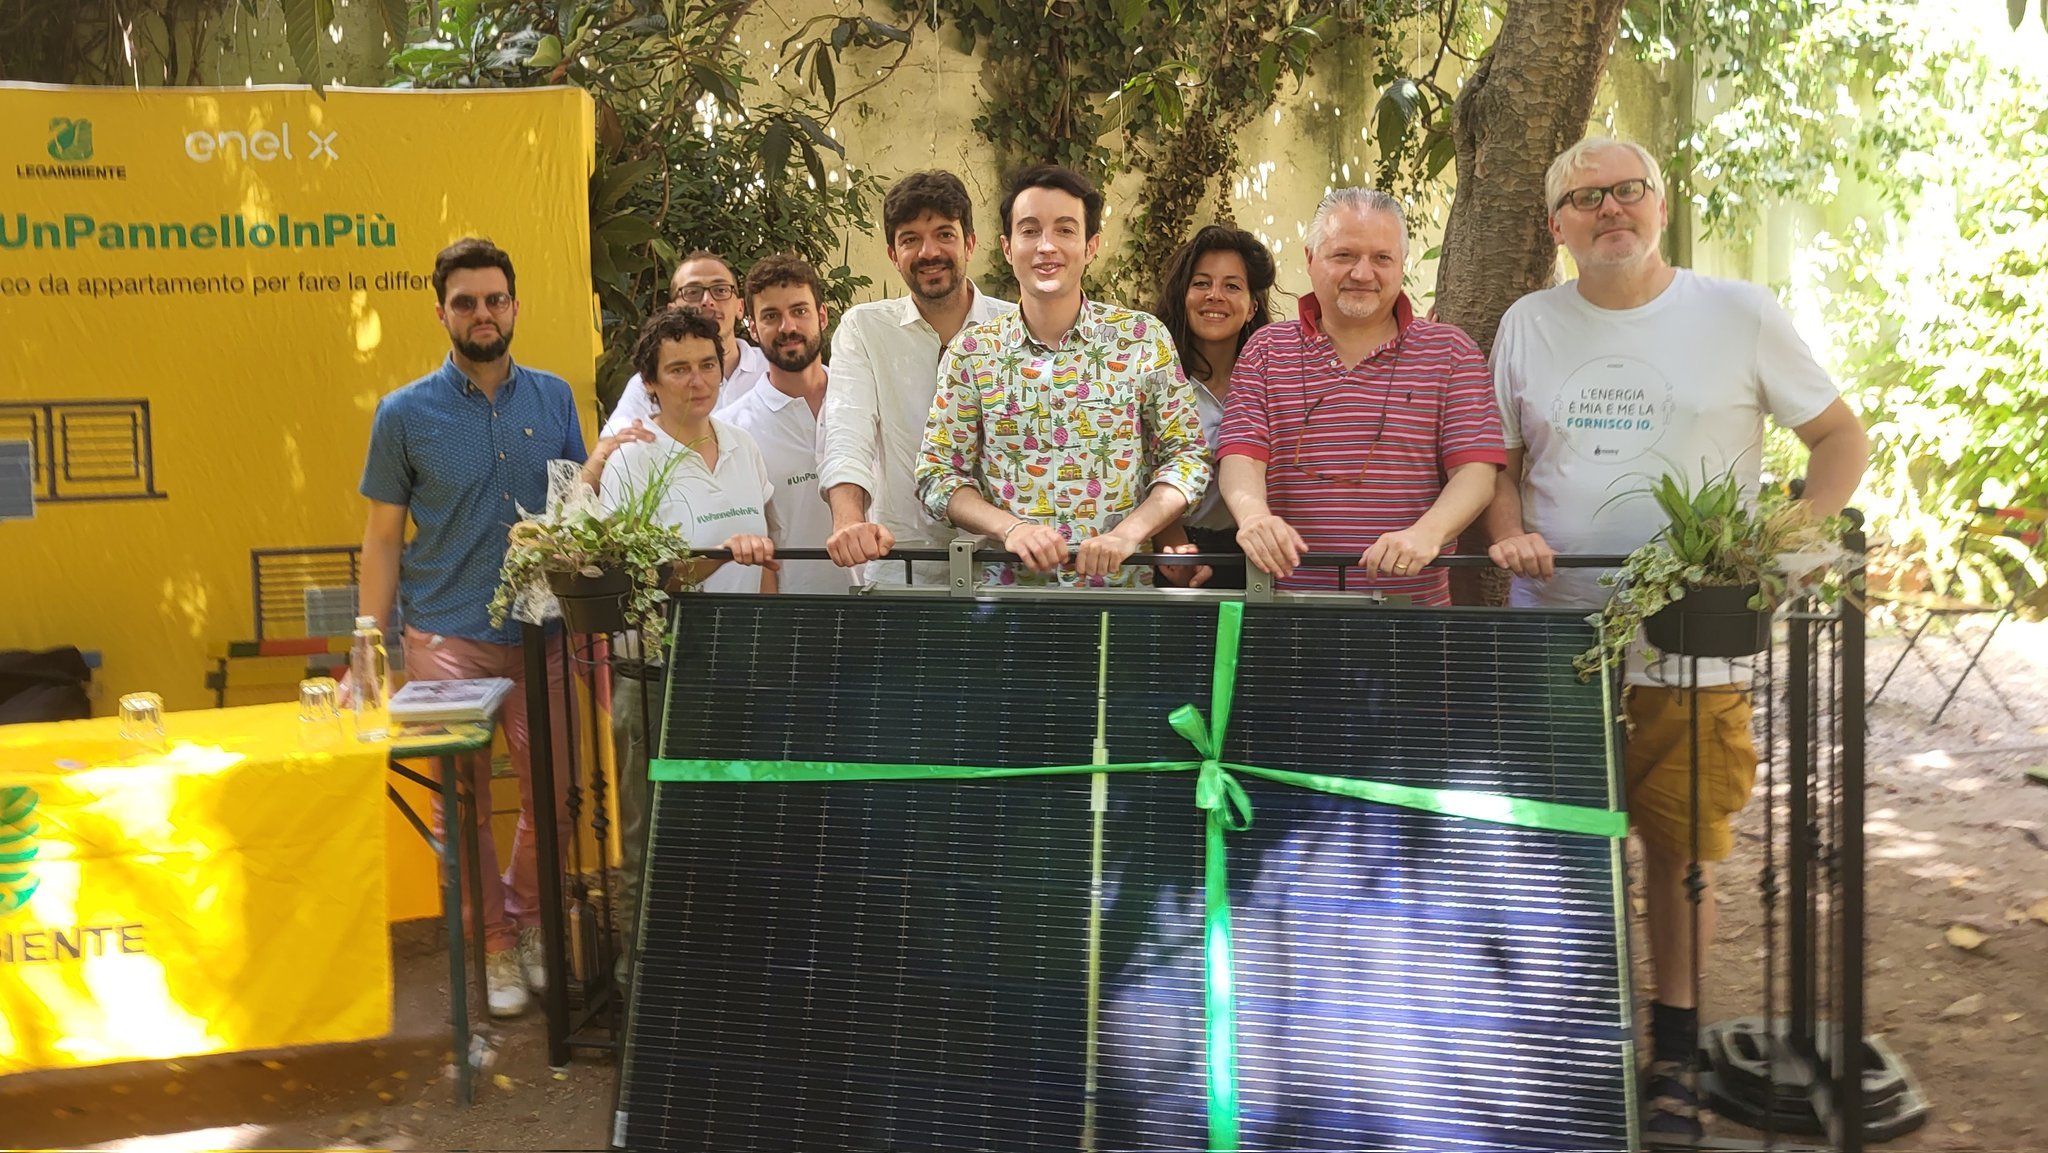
(2024, 525)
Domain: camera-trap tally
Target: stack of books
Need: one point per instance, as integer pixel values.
(445, 702)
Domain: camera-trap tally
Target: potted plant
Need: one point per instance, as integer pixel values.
(1709, 582)
(608, 570)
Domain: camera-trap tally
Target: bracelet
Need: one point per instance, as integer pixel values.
(1020, 523)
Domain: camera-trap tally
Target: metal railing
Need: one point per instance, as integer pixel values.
(1797, 1072)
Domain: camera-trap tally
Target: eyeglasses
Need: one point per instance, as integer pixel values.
(1372, 448)
(1590, 199)
(464, 305)
(695, 293)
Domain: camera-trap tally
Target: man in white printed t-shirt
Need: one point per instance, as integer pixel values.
(703, 280)
(1634, 371)
(885, 374)
(786, 306)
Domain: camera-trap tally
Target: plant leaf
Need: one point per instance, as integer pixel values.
(397, 19)
(775, 151)
(1397, 108)
(821, 72)
(305, 24)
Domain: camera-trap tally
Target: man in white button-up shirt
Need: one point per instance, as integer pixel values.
(703, 280)
(885, 370)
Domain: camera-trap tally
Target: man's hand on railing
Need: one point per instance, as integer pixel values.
(1039, 546)
(1272, 544)
(859, 543)
(1528, 556)
(1102, 555)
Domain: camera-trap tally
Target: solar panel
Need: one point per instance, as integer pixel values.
(905, 965)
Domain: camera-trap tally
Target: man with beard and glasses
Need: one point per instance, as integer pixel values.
(1634, 371)
(1361, 427)
(703, 280)
(786, 307)
(1067, 423)
(458, 453)
(885, 366)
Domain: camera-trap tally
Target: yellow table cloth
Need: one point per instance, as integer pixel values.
(225, 895)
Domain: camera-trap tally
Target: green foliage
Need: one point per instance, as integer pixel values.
(690, 154)
(579, 537)
(1714, 536)
(1110, 86)
(1932, 124)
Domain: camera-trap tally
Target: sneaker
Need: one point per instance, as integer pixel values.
(504, 984)
(533, 960)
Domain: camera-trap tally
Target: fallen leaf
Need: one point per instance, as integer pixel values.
(2009, 1018)
(501, 1081)
(121, 1089)
(399, 1075)
(386, 1098)
(290, 1085)
(1964, 937)
(172, 1089)
(2015, 915)
(273, 1065)
(1968, 1006)
(1961, 1126)
(561, 1076)
(2039, 910)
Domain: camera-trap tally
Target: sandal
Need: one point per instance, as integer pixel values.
(1672, 1109)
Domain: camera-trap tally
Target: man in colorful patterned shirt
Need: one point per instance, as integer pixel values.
(1067, 422)
(1361, 427)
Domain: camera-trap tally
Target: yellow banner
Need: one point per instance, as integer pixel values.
(205, 292)
(225, 895)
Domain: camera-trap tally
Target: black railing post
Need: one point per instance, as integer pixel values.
(1799, 1009)
(547, 841)
(1849, 1103)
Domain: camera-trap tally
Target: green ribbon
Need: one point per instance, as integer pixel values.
(1226, 809)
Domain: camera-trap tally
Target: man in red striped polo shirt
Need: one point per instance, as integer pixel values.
(1361, 427)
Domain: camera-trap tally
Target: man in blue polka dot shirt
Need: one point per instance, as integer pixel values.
(458, 453)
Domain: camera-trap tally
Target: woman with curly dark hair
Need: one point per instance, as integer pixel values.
(1215, 292)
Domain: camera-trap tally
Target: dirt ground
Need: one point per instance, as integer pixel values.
(1957, 837)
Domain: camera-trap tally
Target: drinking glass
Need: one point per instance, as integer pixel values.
(320, 711)
(142, 720)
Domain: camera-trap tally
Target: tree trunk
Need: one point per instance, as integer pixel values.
(1526, 102)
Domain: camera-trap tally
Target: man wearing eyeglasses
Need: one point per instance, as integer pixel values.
(1634, 371)
(1360, 428)
(703, 280)
(459, 453)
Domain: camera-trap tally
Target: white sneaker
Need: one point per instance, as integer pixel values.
(504, 984)
(532, 960)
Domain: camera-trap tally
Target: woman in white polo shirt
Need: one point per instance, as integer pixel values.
(717, 487)
(716, 490)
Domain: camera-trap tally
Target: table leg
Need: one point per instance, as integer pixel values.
(472, 835)
(451, 908)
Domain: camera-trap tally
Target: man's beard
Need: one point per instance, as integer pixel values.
(484, 353)
(951, 284)
(795, 359)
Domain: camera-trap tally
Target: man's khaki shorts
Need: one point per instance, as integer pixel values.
(1657, 759)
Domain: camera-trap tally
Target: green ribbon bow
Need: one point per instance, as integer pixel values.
(1227, 808)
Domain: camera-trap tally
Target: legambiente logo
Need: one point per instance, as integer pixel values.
(18, 827)
(70, 145)
(70, 139)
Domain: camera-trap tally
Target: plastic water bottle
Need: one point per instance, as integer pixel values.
(368, 674)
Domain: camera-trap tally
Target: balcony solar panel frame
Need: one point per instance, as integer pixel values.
(1150, 1063)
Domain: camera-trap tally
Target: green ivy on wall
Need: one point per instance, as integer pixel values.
(1164, 91)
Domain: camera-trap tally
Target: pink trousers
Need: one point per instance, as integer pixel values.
(511, 898)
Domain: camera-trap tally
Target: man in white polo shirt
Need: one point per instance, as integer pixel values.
(885, 372)
(786, 306)
(704, 280)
